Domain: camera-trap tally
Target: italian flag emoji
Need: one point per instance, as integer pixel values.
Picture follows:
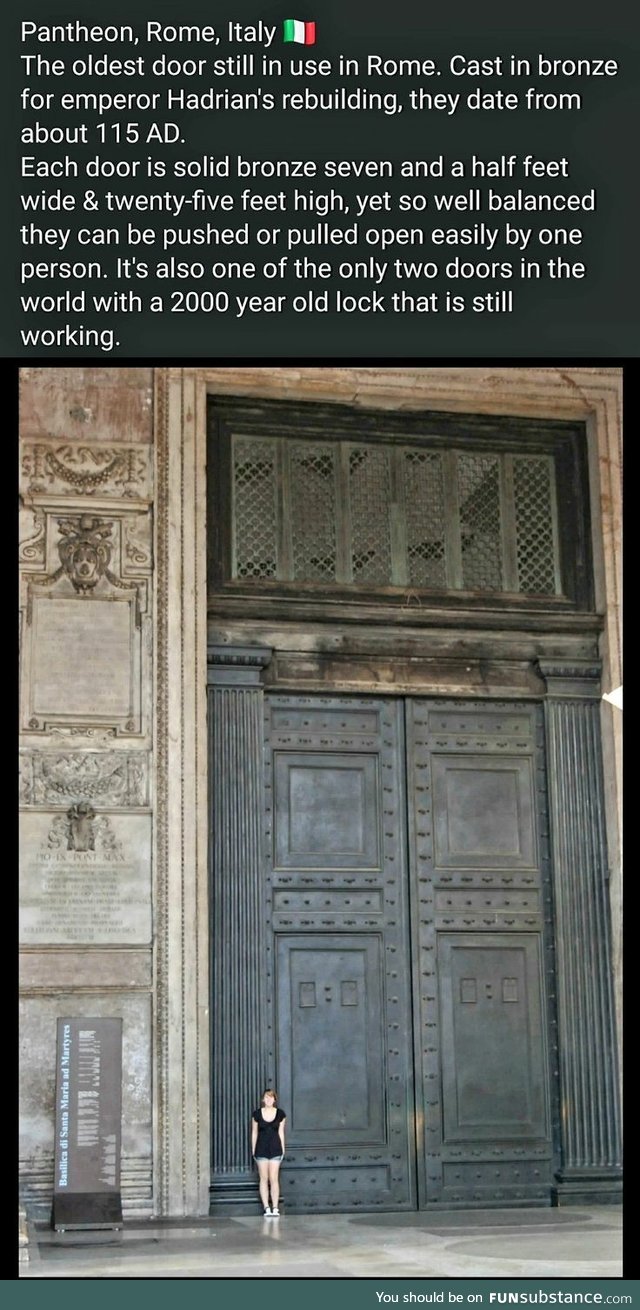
(302, 33)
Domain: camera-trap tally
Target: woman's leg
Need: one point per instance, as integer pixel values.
(263, 1171)
(274, 1182)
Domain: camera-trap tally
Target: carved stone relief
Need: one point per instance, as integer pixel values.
(114, 778)
(137, 556)
(81, 829)
(87, 470)
(84, 666)
(95, 555)
(85, 551)
(32, 536)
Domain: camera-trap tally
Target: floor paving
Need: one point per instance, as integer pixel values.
(553, 1243)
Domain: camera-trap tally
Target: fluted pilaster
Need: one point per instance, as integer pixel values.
(590, 1120)
(237, 900)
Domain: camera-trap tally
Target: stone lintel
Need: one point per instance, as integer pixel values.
(412, 676)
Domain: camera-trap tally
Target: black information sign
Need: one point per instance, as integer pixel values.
(86, 1189)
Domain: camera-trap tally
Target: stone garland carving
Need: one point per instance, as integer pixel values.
(116, 778)
(86, 470)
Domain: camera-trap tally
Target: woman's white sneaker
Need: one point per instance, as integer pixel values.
(268, 1212)
(275, 1213)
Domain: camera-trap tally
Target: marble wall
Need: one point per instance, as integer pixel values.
(85, 555)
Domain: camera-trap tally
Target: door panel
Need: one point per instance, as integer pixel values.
(479, 874)
(483, 812)
(326, 810)
(330, 1067)
(493, 1065)
(338, 975)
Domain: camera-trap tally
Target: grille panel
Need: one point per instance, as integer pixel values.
(369, 490)
(255, 509)
(382, 515)
(534, 524)
(424, 500)
(313, 512)
(480, 522)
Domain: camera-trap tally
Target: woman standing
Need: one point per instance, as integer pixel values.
(267, 1148)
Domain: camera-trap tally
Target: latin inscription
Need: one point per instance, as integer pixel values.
(99, 896)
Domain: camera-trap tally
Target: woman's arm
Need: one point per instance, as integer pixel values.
(254, 1136)
(281, 1132)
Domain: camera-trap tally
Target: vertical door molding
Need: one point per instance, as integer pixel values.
(238, 1020)
(590, 1122)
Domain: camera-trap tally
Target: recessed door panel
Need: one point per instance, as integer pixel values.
(483, 812)
(326, 810)
(330, 1038)
(493, 1065)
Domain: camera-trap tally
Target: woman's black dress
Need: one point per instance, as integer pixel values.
(268, 1144)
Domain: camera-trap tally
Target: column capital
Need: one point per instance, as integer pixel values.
(239, 666)
(577, 679)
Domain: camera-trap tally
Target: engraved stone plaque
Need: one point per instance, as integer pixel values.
(82, 658)
(86, 878)
(86, 1188)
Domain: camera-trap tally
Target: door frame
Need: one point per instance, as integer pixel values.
(180, 1022)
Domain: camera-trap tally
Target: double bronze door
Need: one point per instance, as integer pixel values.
(408, 961)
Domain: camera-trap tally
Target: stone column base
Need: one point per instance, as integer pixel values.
(235, 1195)
(588, 1187)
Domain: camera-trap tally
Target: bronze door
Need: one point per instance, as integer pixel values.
(406, 888)
(339, 946)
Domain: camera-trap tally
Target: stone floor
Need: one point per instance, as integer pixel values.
(558, 1243)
